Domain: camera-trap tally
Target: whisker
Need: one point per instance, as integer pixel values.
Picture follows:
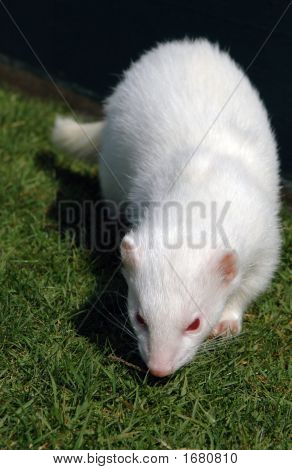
(119, 294)
(117, 323)
(217, 342)
(114, 320)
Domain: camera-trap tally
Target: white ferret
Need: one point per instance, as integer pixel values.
(186, 134)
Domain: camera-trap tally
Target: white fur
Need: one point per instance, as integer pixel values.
(182, 99)
(81, 140)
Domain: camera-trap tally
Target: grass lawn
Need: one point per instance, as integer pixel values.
(69, 379)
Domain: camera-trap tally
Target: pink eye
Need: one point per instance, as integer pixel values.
(194, 325)
(140, 319)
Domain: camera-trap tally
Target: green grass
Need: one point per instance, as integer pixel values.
(62, 385)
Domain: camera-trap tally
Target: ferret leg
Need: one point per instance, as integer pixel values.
(231, 320)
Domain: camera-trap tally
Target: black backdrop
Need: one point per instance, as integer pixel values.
(90, 42)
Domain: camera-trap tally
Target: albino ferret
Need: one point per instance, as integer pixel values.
(187, 137)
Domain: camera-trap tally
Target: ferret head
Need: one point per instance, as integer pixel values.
(175, 298)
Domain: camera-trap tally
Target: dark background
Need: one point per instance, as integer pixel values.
(88, 43)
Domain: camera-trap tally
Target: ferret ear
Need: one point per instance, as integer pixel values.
(228, 266)
(129, 251)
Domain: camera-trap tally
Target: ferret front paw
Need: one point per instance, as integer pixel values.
(227, 328)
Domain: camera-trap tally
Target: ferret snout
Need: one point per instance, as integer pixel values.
(160, 365)
(160, 372)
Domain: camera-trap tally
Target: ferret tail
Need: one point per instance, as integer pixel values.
(80, 140)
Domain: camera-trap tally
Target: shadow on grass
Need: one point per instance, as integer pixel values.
(78, 213)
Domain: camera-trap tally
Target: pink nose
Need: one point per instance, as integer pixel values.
(159, 373)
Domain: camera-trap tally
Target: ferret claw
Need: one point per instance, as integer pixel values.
(226, 328)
